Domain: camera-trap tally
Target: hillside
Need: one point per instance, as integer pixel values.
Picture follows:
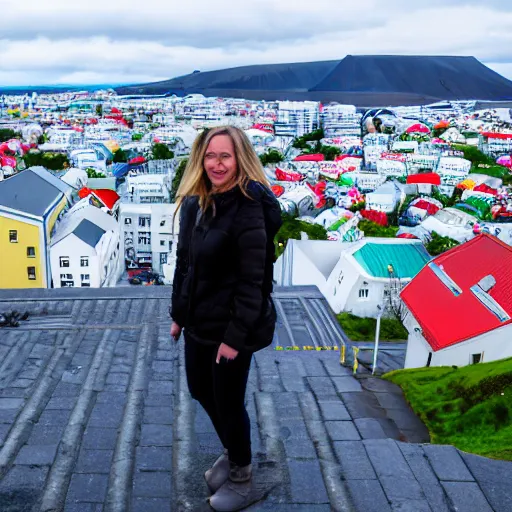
(361, 80)
(468, 407)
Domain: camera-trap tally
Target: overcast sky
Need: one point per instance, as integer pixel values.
(113, 41)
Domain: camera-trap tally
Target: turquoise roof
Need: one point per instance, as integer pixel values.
(407, 259)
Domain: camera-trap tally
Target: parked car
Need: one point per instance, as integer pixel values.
(147, 277)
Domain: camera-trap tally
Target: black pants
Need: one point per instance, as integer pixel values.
(220, 389)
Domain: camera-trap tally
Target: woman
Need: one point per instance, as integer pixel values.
(221, 292)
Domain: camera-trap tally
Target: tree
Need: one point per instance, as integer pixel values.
(314, 136)
(272, 156)
(136, 136)
(178, 175)
(8, 134)
(99, 110)
(93, 173)
(120, 156)
(161, 151)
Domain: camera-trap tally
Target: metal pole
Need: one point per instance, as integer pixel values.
(376, 349)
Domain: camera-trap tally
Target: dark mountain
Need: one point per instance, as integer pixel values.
(364, 81)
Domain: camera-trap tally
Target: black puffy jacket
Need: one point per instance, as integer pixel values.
(224, 269)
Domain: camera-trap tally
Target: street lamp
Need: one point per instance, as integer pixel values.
(377, 333)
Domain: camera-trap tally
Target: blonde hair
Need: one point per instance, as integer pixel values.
(195, 182)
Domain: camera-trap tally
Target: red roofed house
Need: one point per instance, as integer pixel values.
(460, 306)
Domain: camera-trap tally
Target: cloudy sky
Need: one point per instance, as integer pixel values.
(113, 41)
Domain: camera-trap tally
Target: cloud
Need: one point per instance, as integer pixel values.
(68, 42)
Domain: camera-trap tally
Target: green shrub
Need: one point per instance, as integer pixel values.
(137, 136)
(292, 228)
(372, 229)
(439, 244)
(329, 152)
(363, 329)
(48, 160)
(272, 156)
(473, 154)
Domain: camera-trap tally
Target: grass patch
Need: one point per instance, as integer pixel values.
(468, 407)
(363, 329)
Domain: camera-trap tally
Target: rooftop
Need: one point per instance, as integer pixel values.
(407, 258)
(28, 193)
(442, 297)
(88, 232)
(95, 415)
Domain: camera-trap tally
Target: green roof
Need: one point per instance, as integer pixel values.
(407, 259)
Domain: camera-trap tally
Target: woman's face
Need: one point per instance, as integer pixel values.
(220, 161)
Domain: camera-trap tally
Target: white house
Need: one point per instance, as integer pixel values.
(85, 251)
(357, 277)
(460, 306)
(451, 222)
(148, 238)
(386, 197)
(149, 188)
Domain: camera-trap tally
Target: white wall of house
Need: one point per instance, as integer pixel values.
(107, 250)
(491, 346)
(74, 263)
(418, 348)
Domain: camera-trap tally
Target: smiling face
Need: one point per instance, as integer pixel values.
(220, 162)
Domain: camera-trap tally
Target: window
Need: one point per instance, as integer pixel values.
(429, 360)
(162, 243)
(31, 252)
(163, 258)
(476, 358)
(31, 271)
(85, 280)
(127, 221)
(363, 293)
(144, 240)
(162, 222)
(64, 261)
(13, 236)
(145, 222)
(67, 277)
(84, 261)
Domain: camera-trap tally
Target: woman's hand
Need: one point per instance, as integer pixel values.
(227, 352)
(175, 331)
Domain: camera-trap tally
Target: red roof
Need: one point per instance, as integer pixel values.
(108, 197)
(426, 177)
(495, 135)
(447, 319)
(310, 157)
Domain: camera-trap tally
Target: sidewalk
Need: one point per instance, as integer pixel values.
(95, 416)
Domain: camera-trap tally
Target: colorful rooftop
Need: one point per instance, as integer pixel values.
(455, 299)
(407, 259)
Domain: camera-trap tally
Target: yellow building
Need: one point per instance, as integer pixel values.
(31, 202)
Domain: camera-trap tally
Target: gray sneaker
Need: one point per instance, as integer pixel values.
(235, 494)
(218, 474)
